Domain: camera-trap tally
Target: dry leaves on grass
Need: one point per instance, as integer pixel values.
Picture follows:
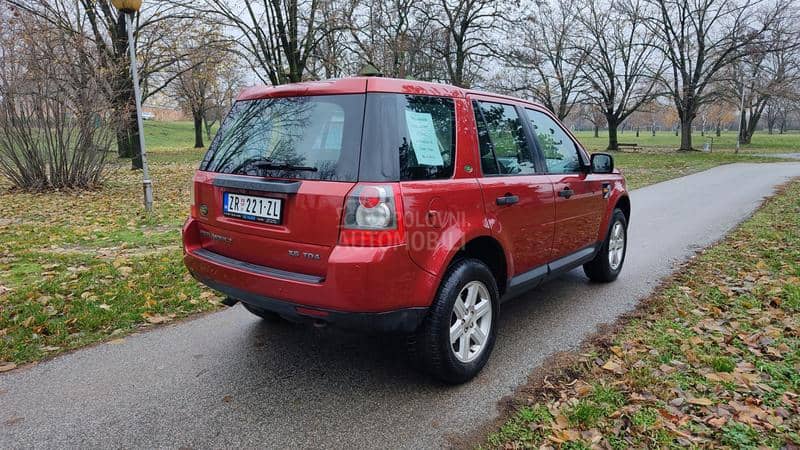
(711, 360)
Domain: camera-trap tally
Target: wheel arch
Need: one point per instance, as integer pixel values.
(624, 204)
(619, 199)
(488, 250)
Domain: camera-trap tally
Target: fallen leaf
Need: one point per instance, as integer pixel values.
(583, 388)
(717, 422)
(613, 365)
(562, 436)
(701, 401)
(156, 318)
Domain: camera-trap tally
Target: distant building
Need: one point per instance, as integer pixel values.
(163, 108)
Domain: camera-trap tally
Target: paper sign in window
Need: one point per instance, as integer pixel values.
(423, 138)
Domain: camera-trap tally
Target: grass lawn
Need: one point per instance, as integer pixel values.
(665, 140)
(81, 268)
(171, 135)
(712, 359)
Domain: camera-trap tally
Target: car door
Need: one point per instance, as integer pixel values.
(579, 194)
(518, 199)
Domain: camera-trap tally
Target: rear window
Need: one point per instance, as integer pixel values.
(314, 137)
(405, 137)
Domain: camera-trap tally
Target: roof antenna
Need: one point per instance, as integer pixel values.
(370, 71)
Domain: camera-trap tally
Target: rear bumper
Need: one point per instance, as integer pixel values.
(364, 288)
(399, 321)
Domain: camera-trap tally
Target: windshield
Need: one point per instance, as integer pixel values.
(315, 138)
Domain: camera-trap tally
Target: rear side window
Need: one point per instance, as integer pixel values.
(315, 137)
(560, 152)
(504, 149)
(408, 137)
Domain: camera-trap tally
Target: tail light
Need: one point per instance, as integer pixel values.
(373, 216)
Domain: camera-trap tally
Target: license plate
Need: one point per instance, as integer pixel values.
(248, 207)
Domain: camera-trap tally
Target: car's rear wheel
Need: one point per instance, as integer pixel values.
(269, 316)
(456, 338)
(607, 264)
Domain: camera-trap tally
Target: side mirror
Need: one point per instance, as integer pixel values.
(602, 163)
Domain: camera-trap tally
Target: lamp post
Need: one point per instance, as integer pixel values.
(741, 117)
(129, 8)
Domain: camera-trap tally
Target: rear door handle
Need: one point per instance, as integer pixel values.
(507, 199)
(566, 192)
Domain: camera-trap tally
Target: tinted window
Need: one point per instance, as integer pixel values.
(505, 137)
(321, 134)
(408, 137)
(560, 152)
(488, 161)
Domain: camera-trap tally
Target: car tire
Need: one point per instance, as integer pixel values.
(472, 323)
(607, 264)
(268, 316)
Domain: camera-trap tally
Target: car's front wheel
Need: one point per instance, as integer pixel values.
(607, 264)
(456, 338)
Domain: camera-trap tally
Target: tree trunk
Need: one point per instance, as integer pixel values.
(742, 127)
(198, 129)
(752, 124)
(686, 135)
(128, 141)
(613, 141)
(596, 131)
(637, 131)
(719, 129)
(128, 133)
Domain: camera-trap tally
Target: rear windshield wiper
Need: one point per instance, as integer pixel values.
(269, 165)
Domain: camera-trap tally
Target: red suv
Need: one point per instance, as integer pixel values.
(399, 206)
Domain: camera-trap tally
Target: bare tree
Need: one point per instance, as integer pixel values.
(223, 95)
(779, 107)
(157, 27)
(55, 130)
(278, 38)
(199, 74)
(332, 57)
(620, 63)
(699, 38)
(544, 54)
(461, 39)
(590, 112)
(765, 73)
(393, 36)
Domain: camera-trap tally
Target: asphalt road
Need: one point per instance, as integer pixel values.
(782, 155)
(227, 379)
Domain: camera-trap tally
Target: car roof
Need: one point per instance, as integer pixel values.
(355, 85)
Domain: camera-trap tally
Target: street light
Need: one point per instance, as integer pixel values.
(129, 8)
(741, 117)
